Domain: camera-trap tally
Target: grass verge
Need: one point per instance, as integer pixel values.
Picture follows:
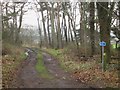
(68, 63)
(40, 67)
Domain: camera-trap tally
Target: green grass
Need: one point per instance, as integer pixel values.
(114, 46)
(21, 57)
(54, 52)
(59, 55)
(40, 67)
(64, 64)
(68, 65)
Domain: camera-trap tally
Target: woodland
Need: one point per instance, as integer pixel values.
(70, 32)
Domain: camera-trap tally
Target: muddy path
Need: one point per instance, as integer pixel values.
(28, 77)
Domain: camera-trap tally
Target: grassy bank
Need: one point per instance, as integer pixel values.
(11, 59)
(40, 67)
(68, 62)
(86, 70)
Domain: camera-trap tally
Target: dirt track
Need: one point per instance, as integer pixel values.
(28, 76)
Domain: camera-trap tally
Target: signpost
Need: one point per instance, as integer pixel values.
(102, 44)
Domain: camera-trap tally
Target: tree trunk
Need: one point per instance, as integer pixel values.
(65, 27)
(119, 13)
(7, 24)
(119, 30)
(20, 24)
(104, 21)
(45, 33)
(14, 24)
(69, 28)
(52, 28)
(59, 31)
(92, 31)
(48, 28)
(81, 26)
(40, 33)
(0, 23)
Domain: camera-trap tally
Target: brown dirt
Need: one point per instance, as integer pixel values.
(28, 77)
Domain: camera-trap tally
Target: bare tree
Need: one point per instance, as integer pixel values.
(42, 7)
(17, 40)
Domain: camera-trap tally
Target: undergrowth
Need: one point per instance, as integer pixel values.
(12, 56)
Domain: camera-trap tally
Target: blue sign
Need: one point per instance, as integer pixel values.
(102, 43)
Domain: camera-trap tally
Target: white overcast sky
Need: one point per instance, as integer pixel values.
(30, 18)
